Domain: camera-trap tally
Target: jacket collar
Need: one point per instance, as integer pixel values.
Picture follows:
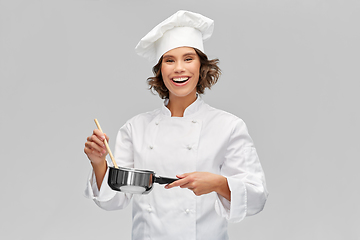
(192, 109)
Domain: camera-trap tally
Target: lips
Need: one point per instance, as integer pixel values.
(180, 81)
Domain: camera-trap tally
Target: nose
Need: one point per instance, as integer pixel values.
(179, 67)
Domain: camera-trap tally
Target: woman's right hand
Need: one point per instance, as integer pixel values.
(95, 148)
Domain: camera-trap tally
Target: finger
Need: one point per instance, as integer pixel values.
(95, 147)
(184, 175)
(99, 134)
(106, 137)
(188, 185)
(184, 179)
(92, 154)
(95, 139)
(177, 183)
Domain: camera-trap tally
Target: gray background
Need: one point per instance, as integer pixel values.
(290, 70)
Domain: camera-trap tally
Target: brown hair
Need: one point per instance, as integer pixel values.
(208, 76)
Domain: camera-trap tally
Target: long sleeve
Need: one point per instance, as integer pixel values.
(245, 177)
(205, 139)
(107, 198)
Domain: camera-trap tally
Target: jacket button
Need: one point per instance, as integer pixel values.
(194, 121)
(157, 123)
(189, 147)
(187, 211)
(149, 209)
(151, 147)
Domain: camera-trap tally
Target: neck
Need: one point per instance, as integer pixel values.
(177, 105)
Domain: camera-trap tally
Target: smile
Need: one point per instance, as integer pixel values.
(180, 79)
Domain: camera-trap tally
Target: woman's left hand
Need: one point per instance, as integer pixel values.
(202, 183)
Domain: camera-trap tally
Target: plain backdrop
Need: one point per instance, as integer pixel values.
(290, 71)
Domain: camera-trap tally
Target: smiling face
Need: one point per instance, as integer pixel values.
(180, 71)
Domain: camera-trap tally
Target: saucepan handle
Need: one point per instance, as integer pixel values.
(164, 180)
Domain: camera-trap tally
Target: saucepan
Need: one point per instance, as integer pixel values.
(131, 180)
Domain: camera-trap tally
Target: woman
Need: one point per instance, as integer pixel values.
(209, 150)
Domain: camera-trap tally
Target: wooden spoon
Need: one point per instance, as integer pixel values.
(106, 144)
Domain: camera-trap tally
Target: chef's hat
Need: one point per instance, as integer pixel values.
(183, 29)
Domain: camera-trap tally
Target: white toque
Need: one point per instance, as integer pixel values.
(183, 29)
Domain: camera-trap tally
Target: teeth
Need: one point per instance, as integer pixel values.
(180, 79)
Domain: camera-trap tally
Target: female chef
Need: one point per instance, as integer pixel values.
(209, 150)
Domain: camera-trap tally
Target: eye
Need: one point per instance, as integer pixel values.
(188, 59)
(169, 60)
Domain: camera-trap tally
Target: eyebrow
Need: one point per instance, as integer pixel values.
(186, 54)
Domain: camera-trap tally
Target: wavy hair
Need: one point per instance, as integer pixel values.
(208, 76)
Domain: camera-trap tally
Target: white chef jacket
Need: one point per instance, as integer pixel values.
(204, 139)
